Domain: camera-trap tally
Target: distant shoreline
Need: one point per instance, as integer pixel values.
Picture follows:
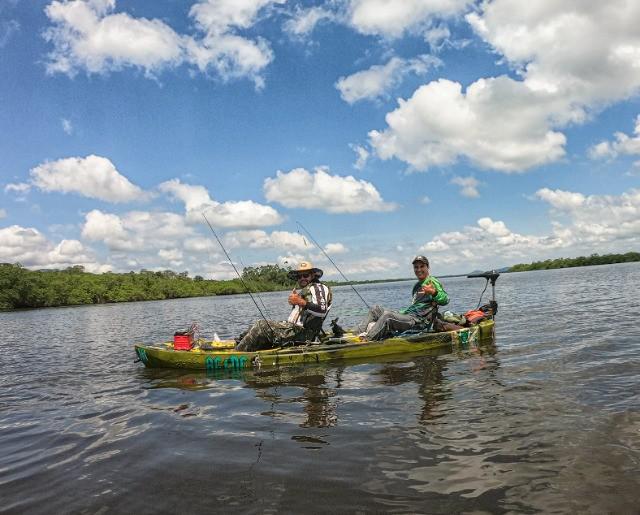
(21, 288)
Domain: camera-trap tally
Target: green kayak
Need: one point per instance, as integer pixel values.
(207, 355)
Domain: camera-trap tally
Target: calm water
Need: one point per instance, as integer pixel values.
(547, 420)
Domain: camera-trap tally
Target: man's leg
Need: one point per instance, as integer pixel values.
(374, 314)
(258, 337)
(388, 323)
(263, 335)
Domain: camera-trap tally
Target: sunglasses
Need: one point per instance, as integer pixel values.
(304, 275)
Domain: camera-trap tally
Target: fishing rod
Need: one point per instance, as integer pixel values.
(240, 277)
(257, 294)
(327, 256)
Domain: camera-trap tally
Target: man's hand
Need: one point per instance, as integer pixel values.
(428, 289)
(296, 300)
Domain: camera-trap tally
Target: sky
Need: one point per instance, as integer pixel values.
(480, 134)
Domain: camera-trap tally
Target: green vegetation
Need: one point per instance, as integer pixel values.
(593, 259)
(23, 288)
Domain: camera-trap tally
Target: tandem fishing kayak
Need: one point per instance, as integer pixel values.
(221, 355)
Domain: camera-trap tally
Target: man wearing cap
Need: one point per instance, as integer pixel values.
(427, 294)
(310, 306)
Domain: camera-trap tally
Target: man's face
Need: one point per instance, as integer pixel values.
(421, 270)
(304, 278)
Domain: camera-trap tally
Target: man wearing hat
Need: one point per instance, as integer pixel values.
(427, 294)
(310, 306)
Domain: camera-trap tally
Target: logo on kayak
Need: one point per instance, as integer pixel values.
(142, 355)
(464, 337)
(232, 362)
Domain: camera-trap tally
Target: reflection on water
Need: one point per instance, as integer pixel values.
(545, 420)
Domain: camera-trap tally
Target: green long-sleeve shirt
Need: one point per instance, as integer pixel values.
(422, 302)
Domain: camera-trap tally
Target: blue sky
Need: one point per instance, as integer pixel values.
(481, 134)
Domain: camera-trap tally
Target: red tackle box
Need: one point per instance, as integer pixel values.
(182, 341)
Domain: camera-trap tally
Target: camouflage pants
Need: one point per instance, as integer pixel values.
(263, 335)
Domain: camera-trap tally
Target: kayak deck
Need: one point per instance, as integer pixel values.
(206, 355)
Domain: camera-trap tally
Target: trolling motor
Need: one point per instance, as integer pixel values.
(490, 276)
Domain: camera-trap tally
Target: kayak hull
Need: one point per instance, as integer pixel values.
(222, 355)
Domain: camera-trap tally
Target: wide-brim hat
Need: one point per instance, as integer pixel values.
(305, 266)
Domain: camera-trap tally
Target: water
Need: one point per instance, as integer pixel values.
(547, 420)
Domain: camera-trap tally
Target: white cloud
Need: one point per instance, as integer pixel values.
(261, 240)
(363, 156)
(31, 248)
(89, 35)
(623, 144)
(496, 123)
(171, 256)
(335, 248)
(469, 186)
(91, 176)
(136, 231)
(67, 127)
(379, 80)
(303, 21)
(3, 213)
(86, 35)
(20, 188)
(370, 265)
(201, 245)
(563, 200)
(392, 19)
(238, 214)
(425, 200)
(485, 242)
(512, 125)
(437, 36)
(589, 223)
(221, 49)
(321, 190)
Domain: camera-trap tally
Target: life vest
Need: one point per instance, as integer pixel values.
(475, 315)
(312, 318)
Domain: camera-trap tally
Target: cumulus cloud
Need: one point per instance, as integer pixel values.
(238, 214)
(303, 21)
(89, 35)
(300, 188)
(20, 189)
(393, 19)
(379, 80)
(91, 176)
(3, 213)
(31, 248)
(468, 186)
(363, 156)
(425, 200)
(136, 231)
(488, 239)
(623, 144)
(512, 125)
(335, 248)
(563, 200)
(370, 265)
(579, 224)
(171, 256)
(496, 124)
(262, 240)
